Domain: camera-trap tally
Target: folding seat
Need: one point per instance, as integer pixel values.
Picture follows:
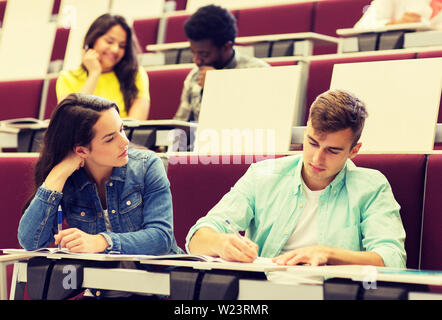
(2, 11)
(288, 18)
(336, 14)
(51, 98)
(175, 28)
(431, 256)
(408, 192)
(60, 44)
(321, 70)
(180, 4)
(20, 99)
(283, 63)
(165, 88)
(17, 185)
(146, 31)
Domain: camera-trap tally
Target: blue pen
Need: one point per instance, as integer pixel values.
(59, 221)
(231, 228)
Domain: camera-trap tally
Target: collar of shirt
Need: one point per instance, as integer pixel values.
(336, 183)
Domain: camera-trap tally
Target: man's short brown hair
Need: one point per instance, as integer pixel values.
(336, 110)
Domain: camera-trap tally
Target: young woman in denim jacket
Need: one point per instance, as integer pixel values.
(114, 198)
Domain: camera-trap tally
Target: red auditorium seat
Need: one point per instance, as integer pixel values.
(180, 4)
(431, 256)
(282, 63)
(165, 88)
(2, 11)
(20, 99)
(408, 192)
(433, 54)
(289, 18)
(175, 29)
(17, 180)
(51, 98)
(146, 31)
(321, 70)
(336, 14)
(197, 185)
(60, 44)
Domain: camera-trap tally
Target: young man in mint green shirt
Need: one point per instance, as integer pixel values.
(316, 207)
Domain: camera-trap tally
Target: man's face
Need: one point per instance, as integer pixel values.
(205, 53)
(325, 155)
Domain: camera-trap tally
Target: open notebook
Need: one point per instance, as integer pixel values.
(126, 257)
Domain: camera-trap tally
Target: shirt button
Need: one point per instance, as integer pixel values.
(98, 293)
(113, 211)
(110, 184)
(53, 198)
(82, 213)
(100, 214)
(128, 203)
(300, 205)
(334, 191)
(286, 232)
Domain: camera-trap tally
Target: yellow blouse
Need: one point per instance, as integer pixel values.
(107, 87)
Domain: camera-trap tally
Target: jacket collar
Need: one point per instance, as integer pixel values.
(81, 180)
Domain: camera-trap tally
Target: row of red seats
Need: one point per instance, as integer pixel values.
(417, 192)
(23, 98)
(323, 17)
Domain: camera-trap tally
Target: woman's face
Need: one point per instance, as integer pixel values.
(111, 47)
(109, 147)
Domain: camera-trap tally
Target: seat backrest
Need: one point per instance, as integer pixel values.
(17, 181)
(321, 70)
(165, 88)
(179, 4)
(406, 175)
(146, 31)
(287, 18)
(433, 54)
(2, 11)
(337, 14)
(175, 29)
(431, 255)
(60, 44)
(283, 63)
(197, 184)
(20, 99)
(51, 98)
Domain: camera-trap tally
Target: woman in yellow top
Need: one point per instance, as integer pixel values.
(110, 68)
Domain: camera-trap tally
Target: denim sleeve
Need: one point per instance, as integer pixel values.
(39, 222)
(382, 228)
(156, 234)
(237, 206)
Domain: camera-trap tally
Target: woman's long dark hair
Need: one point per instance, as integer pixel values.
(71, 125)
(126, 70)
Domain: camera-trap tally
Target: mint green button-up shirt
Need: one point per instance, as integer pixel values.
(357, 210)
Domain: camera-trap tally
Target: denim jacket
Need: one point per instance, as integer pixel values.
(139, 205)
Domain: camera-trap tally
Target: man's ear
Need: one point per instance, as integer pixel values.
(81, 151)
(228, 46)
(354, 151)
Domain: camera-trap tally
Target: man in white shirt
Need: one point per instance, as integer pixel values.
(386, 12)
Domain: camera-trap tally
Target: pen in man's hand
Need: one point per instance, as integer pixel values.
(231, 228)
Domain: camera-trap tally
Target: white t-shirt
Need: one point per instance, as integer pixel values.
(306, 230)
